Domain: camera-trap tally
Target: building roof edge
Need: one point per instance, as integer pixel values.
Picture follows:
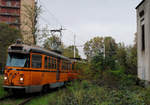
(140, 4)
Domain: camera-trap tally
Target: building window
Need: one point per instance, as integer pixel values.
(141, 14)
(36, 61)
(143, 37)
(8, 3)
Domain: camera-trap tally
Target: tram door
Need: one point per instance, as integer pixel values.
(58, 69)
(36, 67)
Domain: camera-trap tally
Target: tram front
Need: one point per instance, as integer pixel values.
(18, 62)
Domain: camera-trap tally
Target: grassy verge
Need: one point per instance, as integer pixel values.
(44, 100)
(86, 93)
(113, 89)
(2, 92)
(11, 101)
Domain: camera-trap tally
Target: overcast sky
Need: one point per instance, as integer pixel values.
(90, 18)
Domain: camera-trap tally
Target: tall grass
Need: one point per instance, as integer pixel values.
(85, 93)
(2, 92)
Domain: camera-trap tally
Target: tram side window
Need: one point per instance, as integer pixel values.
(52, 63)
(73, 66)
(49, 62)
(66, 66)
(62, 66)
(36, 61)
(46, 62)
(55, 63)
(69, 66)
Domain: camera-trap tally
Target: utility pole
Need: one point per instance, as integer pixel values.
(57, 30)
(74, 46)
(103, 50)
(60, 35)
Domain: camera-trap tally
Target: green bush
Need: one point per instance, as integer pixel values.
(85, 93)
(2, 92)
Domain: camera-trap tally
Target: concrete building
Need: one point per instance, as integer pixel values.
(143, 37)
(14, 13)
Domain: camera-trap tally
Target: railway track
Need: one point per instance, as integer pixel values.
(5, 97)
(26, 101)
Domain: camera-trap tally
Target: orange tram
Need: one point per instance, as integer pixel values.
(34, 69)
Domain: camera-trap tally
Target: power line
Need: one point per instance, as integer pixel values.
(51, 14)
(45, 20)
(57, 20)
(74, 46)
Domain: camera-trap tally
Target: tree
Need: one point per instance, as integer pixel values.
(127, 57)
(98, 65)
(121, 55)
(8, 36)
(69, 52)
(101, 52)
(106, 45)
(110, 52)
(131, 61)
(93, 47)
(30, 28)
(53, 43)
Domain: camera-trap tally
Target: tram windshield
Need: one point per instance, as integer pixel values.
(16, 60)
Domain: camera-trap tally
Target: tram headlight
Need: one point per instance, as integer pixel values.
(21, 79)
(5, 78)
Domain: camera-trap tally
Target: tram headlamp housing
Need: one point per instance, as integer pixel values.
(21, 78)
(5, 78)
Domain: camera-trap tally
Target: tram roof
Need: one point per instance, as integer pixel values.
(36, 49)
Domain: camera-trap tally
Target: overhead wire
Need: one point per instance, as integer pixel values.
(50, 13)
(56, 20)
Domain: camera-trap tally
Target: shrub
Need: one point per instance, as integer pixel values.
(85, 93)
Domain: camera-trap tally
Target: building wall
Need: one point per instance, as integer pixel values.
(10, 12)
(26, 24)
(14, 13)
(143, 18)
